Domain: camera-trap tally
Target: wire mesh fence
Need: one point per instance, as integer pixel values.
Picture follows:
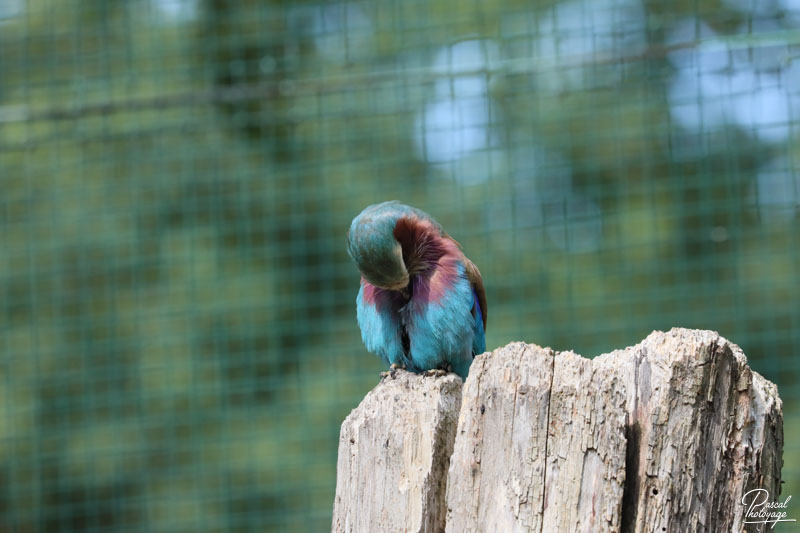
(177, 309)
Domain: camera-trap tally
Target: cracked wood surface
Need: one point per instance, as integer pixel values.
(667, 435)
(394, 449)
(703, 430)
(540, 444)
(497, 472)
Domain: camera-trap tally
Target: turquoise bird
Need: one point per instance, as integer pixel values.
(421, 305)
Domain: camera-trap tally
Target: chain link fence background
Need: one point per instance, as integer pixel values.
(177, 310)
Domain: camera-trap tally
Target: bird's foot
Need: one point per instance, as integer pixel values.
(392, 371)
(436, 372)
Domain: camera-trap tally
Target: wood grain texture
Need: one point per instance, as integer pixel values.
(394, 451)
(497, 472)
(540, 444)
(664, 436)
(703, 429)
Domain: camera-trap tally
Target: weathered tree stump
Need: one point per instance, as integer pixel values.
(394, 450)
(540, 444)
(667, 435)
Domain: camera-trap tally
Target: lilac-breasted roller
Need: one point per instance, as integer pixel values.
(421, 305)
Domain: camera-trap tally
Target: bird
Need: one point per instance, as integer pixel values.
(421, 304)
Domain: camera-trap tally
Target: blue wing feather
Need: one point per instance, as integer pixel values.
(380, 326)
(479, 339)
(443, 331)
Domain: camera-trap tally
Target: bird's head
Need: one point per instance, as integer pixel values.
(372, 246)
(391, 243)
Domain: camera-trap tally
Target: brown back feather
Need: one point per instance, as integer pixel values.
(474, 276)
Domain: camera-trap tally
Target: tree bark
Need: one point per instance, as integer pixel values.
(668, 435)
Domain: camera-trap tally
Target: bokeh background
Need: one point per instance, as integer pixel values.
(177, 310)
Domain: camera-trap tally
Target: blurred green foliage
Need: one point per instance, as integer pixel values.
(177, 319)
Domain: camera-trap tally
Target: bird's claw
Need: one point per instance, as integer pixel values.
(392, 371)
(436, 372)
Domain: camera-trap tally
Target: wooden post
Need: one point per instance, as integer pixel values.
(703, 429)
(540, 445)
(394, 450)
(668, 435)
